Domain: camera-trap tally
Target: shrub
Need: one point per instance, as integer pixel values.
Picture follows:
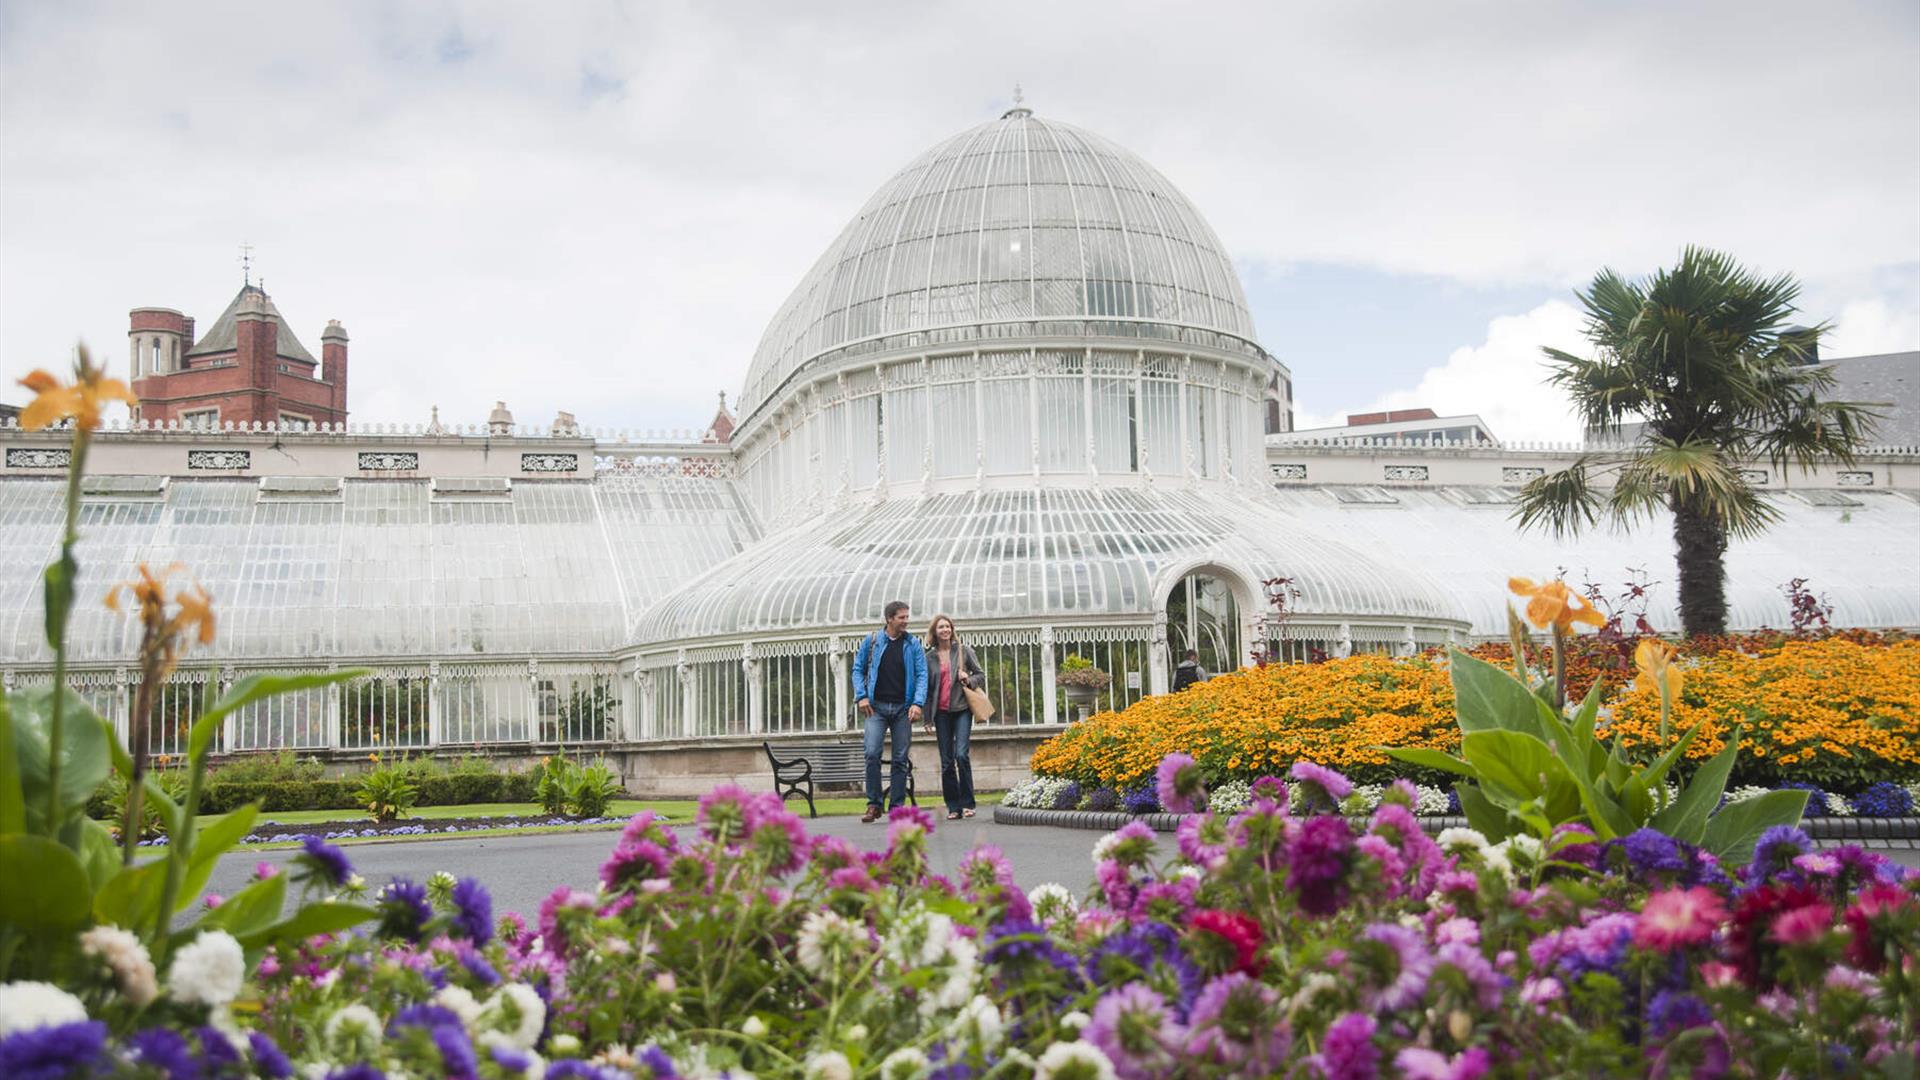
(113, 800)
(554, 777)
(388, 792)
(591, 791)
(1077, 670)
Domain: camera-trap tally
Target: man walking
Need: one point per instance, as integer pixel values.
(889, 684)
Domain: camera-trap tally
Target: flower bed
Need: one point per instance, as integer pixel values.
(1839, 713)
(1276, 940)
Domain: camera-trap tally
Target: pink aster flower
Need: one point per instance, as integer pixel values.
(1678, 919)
(1716, 974)
(1420, 1063)
(1392, 871)
(1323, 788)
(1460, 929)
(1802, 925)
(1408, 965)
(1203, 841)
(1179, 785)
(1271, 789)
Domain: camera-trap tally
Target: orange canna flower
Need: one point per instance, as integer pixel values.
(1655, 659)
(55, 401)
(196, 610)
(1551, 603)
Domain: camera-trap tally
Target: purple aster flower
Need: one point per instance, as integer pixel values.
(1484, 984)
(216, 1053)
(268, 1060)
(581, 1070)
(634, 860)
(55, 1052)
(1420, 1063)
(456, 1052)
(423, 1016)
(1134, 1028)
(1321, 787)
(1403, 966)
(1203, 841)
(1019, 948)
(164, 1051)
(404, 909)
(1179, 785)
(658, 1065)
(472, 911)
(1348, 1052)
(515, 1061)
(1393, 871)
(1318, 861)
(477, 966)
(1672, 1010)
(1116, 884)
(357, 1072)
(325, 861)
(1578, 845)
(1775, 850)
(1235, 1022)
(1271, 788)
(1651, 853)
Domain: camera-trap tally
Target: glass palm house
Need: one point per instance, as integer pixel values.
(1021, 388)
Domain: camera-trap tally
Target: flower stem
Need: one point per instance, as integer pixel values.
(1559, 667)
(63, 598)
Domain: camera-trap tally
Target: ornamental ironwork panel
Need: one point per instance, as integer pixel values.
(1405, 472)
(389, 460)
(28, 457)
(1289, 472)
(219, 459)
(550, 463)
(1851, 478)
(1755, 476)
(1512, 474)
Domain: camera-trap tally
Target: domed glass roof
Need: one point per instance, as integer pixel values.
(1019, 218)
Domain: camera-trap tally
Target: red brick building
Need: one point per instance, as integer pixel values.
(248, 368)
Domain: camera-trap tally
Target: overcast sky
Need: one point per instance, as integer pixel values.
(597, 207)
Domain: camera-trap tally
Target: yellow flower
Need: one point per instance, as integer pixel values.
(1553, 604)
(55, 401)
(1655, 659)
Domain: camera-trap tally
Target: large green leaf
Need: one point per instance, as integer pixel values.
(212, 841)
(1687, 818)
(46, 885)
(1486, 698)
(1637, 793)
(13, 802)
(1430, 759)
(1486, 818)
(98, 853)
(57, 597)
(250, 910)
(132, 896)
(327, 917)
(1736, 828)
(84, 757)
(1524, 767)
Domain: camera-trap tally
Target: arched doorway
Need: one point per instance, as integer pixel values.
(1203, 615)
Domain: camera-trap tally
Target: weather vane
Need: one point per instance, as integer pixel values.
(1019, 98)
(246, 263)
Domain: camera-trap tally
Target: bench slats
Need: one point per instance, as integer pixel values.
(807, 764)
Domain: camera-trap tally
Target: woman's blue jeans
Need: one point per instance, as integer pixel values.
(953, 731)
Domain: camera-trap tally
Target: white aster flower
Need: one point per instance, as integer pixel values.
(959, 959)
(1496, 858)
(1103, 847)
(980, 1017)
(906, 1063)
(1077, 1060)
(1075, 1020)
(826, 940)
(460, 1002)
(352, 1033)
(517, 1013)
(1521, 849)
(536, 1065)
(25, 1006)
(209, 970)
(564, 1045)
(1052, 901)
(831, 1065)
(857, 1033)
(1456, 840)
(754, 1028)
(919, 939)
(1315, 984)
(127, 958)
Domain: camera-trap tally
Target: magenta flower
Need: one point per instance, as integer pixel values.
(562, 904)
(1678, 919)
(1486, 983)
(632, 861)
(1348, 1052)
(1236, 1022)
(1404, 965)
(1135, 1029)
(1420, 1063)
(1319, 858)
(1179, 784)
(1203, 841)
(1322, 788)
(1271, 787)
(1802, 925)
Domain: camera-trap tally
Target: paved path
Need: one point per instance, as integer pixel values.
(522, 870)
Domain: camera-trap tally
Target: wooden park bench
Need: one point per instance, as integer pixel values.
(826, 764)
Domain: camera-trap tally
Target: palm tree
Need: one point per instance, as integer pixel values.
(1703, 355)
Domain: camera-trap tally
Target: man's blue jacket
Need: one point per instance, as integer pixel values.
(866, 667)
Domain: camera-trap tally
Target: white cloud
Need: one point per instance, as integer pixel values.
(597, 207)
(1869, 327)
(1503, 378)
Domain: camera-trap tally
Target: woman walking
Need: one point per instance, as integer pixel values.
(950, 667)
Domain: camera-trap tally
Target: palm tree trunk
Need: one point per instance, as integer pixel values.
(1700, 547)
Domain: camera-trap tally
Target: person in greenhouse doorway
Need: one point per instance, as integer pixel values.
(952, 669)
(1189, 672)
(889, 685)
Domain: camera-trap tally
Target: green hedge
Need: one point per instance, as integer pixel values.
(460, 787)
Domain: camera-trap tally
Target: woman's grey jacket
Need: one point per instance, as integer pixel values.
(971, 675)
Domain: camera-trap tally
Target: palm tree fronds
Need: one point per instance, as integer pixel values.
(1563, 502)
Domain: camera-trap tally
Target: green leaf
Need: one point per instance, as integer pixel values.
(1487, 819)
(1486, 698)
(1430, 759)
(46, 885)
(13, 801)
(1734, 830)
(131, 897)
(84, 760)
(250, 910)
(1637, 793)
(98, 853)
(1687, 818)
(326, 917)
(212, 841)
(58, 596)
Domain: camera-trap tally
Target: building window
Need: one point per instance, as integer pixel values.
(204, 419)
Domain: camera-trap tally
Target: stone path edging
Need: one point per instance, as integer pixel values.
(1867, 829)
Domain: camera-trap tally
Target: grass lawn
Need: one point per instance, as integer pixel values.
(676, 810)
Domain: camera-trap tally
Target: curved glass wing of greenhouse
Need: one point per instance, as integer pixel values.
(1015, 220)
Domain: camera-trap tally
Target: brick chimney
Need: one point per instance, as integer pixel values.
(256, 346)
(333, 364)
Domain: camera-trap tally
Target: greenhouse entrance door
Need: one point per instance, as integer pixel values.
(1202, 616)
